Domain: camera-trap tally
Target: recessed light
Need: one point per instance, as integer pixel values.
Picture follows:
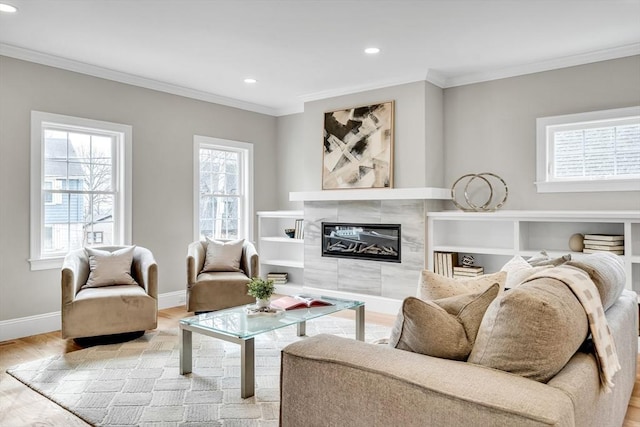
(250, 81)
(4, 7)
(371, 50)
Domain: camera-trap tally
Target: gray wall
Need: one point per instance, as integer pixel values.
(163, 129)
(491, 127)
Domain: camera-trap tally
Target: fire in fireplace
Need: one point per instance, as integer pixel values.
(377, 242)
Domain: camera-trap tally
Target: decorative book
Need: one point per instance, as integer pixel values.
(298, 301)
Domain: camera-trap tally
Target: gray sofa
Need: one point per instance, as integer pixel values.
(332, 381)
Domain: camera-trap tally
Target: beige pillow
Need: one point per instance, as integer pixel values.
(532, 330)
(435, 286)
(518, 270)
(109, 268)
(444, 328)
(607, 272)
(223, 256)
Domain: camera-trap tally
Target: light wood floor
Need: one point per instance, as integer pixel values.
(21, 406)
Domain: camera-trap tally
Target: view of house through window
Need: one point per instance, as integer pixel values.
(79, 185)
(79, 189)
(223, 188)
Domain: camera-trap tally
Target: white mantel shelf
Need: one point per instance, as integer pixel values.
(421, 193)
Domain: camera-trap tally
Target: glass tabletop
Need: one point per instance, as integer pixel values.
(237, 323)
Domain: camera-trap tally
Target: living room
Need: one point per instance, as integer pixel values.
(442, 131)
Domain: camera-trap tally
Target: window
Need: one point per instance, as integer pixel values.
(80, 186)
(223, 183)
(596, 151)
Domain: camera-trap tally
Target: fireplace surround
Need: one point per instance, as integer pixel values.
(373, 242)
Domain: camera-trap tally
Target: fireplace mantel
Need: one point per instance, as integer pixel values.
(419, 193)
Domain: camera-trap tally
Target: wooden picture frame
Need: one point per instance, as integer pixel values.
(358, 147)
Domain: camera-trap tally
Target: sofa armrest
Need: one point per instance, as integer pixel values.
(250, 261)
(146, 270)
(329, 380)
(195, 262)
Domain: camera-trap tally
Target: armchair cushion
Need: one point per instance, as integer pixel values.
(109, 268)
(444, 328)
(223, 256)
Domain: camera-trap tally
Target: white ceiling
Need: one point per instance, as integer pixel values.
(301, 50)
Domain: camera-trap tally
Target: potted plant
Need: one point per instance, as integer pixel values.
(261, 290)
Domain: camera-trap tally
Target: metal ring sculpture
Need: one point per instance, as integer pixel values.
(488, 205)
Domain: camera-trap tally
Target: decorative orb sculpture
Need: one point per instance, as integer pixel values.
(487, 179)
(467, 261)
(576, 242)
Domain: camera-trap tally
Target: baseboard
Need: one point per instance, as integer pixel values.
(48, 322)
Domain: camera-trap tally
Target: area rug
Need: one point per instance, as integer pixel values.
(137, 383)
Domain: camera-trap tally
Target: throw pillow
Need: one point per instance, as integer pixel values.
(554, 262)
(435, 286)
(518, 270)
(223, 256)
(444, 328)
(532, 331)
(607, 272)
(109, 268)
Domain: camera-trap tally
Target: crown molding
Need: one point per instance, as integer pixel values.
(436, 78)
(553, 64)
(132, 79)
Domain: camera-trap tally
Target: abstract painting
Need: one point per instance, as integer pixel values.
(358, 147)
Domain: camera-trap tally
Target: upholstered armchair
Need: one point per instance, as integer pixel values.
(215, 290)
(106, 306)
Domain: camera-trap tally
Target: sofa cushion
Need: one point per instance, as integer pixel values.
(543, 258)
(444, 328)
(518, 270)
(434, 286)
(532, 330)
(607, 272)
(223, 256)
(109, 268)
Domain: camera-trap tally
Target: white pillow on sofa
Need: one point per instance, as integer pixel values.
(109, 268)
(518, 270)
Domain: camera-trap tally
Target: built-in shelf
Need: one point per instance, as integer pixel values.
(278, 252)
(419, 193)
(492, 238)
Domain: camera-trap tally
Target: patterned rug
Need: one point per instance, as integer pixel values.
(137, 382)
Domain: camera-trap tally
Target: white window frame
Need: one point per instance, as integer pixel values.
(122, 173)
(245, 226)
(544, 128)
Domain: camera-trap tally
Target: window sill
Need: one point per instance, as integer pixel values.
(46, 263)
(588, 186)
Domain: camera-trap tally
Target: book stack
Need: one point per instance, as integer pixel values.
(603, 243)
(278, 278)
(443, 263)
(464, 272)
(299, 233)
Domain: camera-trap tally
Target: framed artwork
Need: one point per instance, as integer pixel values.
(358, 147)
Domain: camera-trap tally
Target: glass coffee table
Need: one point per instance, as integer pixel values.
(236, 326)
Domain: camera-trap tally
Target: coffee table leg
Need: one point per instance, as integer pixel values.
(247, 368)
(302, 329)
(360, 323)
(185, 351)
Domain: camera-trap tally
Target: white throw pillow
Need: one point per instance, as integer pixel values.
(223, 256)
(518, 270)
(109, 268)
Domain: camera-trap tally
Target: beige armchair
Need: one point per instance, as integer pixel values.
(108, 310)
(220, 289)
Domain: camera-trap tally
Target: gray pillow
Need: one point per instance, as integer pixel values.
(532, 330)
(223, 256)
(434, 286)
(109, 268)
(607, 272)
(444, 328)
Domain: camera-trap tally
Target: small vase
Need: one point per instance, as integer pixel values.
(262, 302)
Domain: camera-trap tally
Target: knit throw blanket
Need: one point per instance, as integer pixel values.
(585, 290)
